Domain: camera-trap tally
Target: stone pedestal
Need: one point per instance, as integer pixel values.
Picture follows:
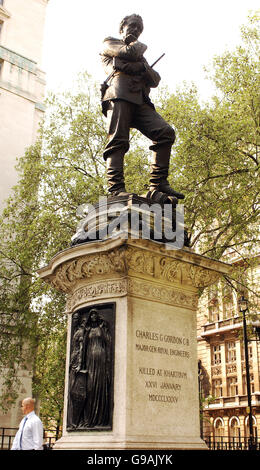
(153, 292)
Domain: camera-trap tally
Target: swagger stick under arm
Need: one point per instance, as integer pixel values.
(161, 56)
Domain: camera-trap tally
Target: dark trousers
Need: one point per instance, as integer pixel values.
(123, 115)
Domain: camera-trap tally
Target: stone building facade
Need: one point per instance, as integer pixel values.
(22, 87)
(222, 371)
(22, 83)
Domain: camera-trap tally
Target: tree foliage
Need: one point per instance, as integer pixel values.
(216, 160)
(215, 163)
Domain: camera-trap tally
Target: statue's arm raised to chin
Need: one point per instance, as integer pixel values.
(129, 59)
(117, 48)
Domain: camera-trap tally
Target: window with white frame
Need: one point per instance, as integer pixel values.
(219, 428)
(216, 354)
(227, 302)
(232, 387)
(247, 429)
(231, 351)
(244, 384)
(234, 427)
(249, 348)
(217, 388)
(213, 304)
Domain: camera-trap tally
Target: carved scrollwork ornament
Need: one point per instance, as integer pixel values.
(202, 277)
(140, 261)
(169, 268)
(67, 275)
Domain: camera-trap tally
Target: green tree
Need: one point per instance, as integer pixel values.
(216, 160)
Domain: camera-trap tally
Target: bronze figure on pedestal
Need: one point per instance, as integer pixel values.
(126, 103)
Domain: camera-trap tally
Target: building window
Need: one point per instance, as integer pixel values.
(244, 385)
(249, 348)
(234, 427)
(213, 305)
(227, 301)
(232, 387)
(219, 429)
(213, 313)
(217, 388)
(231, 351)
(247, 430)
(216, 354)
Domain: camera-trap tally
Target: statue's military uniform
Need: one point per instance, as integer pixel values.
(127, 105)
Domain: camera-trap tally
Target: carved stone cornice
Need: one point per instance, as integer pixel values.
(141, 259)
(87, 267)
(133, 287)
(168, 269)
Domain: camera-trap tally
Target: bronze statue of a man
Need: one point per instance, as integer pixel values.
(127, 105)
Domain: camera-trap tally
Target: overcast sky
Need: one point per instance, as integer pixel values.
(190, 32)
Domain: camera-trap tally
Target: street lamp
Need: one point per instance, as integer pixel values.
(243, 307)
(200, 397)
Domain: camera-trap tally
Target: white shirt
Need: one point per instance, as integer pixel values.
(32, 433)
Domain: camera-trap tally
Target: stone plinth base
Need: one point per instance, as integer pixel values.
(154, 371)
(79, 442)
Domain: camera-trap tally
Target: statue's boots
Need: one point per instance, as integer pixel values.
(159, 173)
(115, 175)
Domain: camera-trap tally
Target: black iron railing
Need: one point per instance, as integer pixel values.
(7, 436)
(232, 443)
(218, 443)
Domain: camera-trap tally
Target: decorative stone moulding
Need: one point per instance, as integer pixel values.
(135, 258)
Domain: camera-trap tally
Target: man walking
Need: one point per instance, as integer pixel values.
(127, 105)
(30, 433)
